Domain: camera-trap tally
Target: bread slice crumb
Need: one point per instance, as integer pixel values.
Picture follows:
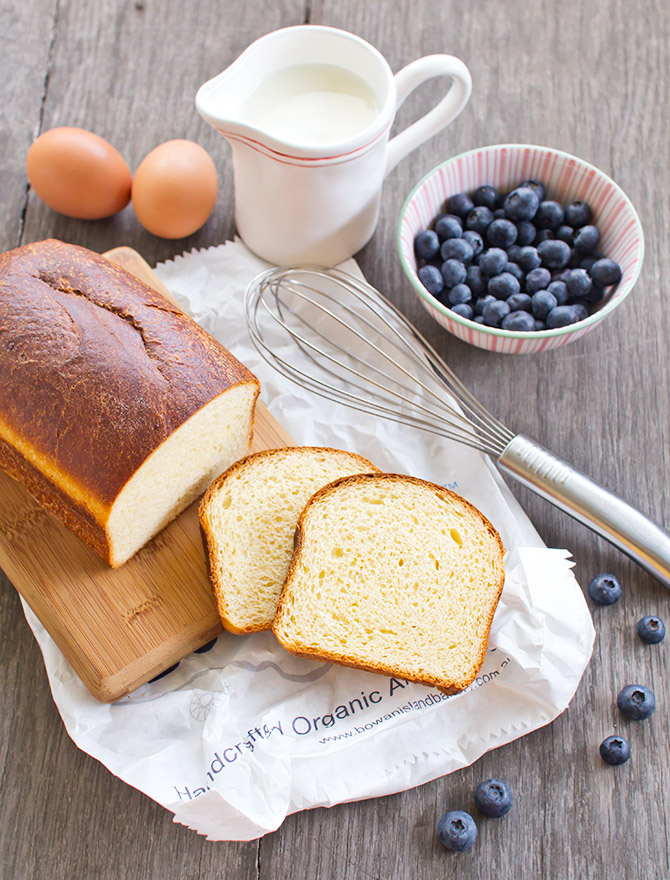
(395, 575)
(248, 518)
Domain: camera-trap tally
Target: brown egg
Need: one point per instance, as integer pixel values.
(174, 190)
(78, 173)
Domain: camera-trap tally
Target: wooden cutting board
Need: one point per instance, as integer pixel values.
(118, 628)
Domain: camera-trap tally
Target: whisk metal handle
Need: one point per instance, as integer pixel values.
(584, 499)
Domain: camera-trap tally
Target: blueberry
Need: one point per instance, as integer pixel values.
(457, 249)
(499, 214)
(588, 260)
(461, 293)
(554, 254)
(577, 214)
(516, 270)
(560, 291)
(453, 272)
(561, 316)
(427, 245)
(503, 285)
(636, 701)
(519, 302)
(501, 233)
(578, 282)
(549, 215)
(529, 258)
(493, 798)
(492, 261)
(540, 325)
(513, 253)
(596, 295)
(615, 750)
(605, 272)
(542, 303)
(566, 234)
(542, 235)
(605, 589)
(482, 302)
(521, 322)
(495, 311)
(479, 219)
(526, 233)
(537, 187)
(522, 204)
(580, 310)
(432, 280)
(587, 239)
(537, 279)
(461, 204)
(575, 259)
(448, 226)
(485, 196)
(464, 310)
(651, 630)
(475, 241)
(479, 319)
(475, 281)
(457, 830)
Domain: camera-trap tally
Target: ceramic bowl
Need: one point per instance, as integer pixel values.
(567, 179)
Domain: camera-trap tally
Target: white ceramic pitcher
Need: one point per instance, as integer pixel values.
(318, 202)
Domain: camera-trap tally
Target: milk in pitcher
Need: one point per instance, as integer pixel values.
(312, 104)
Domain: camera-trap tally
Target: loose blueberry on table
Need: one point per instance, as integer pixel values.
(457, 830)
(615, 750)
(605, 589)
(502, 245)
(493, 798)
(636, 702)
(651, 630)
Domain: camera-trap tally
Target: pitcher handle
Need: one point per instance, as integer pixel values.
(440, 116)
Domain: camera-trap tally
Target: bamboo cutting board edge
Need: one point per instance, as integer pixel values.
(118, 628)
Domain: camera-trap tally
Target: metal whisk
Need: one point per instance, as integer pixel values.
(362, 352)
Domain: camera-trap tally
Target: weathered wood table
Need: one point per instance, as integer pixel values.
(588, 78)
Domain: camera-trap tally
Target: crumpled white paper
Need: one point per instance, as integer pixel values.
(238, 737)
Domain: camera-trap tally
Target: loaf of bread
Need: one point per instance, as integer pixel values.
(394, 575)
(116, 409)
(248, 518)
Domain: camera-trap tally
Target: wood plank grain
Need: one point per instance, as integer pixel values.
(27, 31)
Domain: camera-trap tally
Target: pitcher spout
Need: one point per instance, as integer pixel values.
(220, 101)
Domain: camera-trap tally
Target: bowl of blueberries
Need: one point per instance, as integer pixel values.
(519, 249)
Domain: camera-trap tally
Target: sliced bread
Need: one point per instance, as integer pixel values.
(394, 575)
(248, 517)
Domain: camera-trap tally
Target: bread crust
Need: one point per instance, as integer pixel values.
(448, 687)
(72, 515)
(207, 531)
(97, 370)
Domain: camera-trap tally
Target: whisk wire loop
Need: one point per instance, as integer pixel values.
(362, 352)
